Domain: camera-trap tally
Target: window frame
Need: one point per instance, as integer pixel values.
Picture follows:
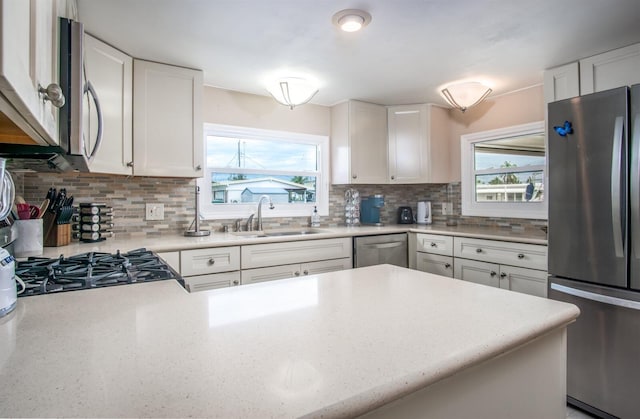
(470, 207)
(210, 211)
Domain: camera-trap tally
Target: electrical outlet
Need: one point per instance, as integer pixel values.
(154, 212)
(446, 209)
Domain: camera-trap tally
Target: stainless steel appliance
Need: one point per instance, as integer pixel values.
(379, 249)
(75, 151)
(594, 244)
(405, 215)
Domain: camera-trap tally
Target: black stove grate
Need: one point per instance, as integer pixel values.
(92, 270)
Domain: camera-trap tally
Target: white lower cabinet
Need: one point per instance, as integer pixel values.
(216, 267)
(434, 254)
(435, 264)
(269, 261)
(528, 281)
(250, 276)
(517, 267)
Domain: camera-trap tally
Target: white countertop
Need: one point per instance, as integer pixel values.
(217, 239)
(331, 345)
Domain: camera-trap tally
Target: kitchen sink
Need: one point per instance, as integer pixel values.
(278, 233)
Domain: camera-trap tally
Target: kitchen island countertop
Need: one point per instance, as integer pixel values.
(332, 345)
(176, 242)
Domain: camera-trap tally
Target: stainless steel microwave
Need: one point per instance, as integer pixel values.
(74, 151)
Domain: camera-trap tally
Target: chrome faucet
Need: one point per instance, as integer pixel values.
(260, 209)
(250, 223)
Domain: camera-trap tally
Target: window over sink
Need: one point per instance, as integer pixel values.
(244, 164)
(504, 172)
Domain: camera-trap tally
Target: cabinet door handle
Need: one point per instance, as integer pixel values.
(493, 273)
(52, 93)
(478, 250)
(503, 274)
(198, 168)
(130, 164)
(211, 261)
(297, 273)
(306, 272)
(354, 176)
(520, 256)
(434, 245)
(393, 177)
(447, 265)
(236, 282)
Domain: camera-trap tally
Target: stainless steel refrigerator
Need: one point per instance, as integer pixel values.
(594, 244)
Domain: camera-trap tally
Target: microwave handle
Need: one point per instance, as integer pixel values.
(88, 87)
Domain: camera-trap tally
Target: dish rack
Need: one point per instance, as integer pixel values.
(94, 223)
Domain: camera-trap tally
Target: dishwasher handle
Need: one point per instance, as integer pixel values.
(384, 245)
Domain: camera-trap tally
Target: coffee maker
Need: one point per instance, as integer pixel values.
(370, 209)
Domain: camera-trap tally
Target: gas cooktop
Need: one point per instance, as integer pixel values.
(92, 270)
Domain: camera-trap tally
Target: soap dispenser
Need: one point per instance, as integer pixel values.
(315, 218)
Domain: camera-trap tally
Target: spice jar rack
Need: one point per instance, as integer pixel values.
(94, 223)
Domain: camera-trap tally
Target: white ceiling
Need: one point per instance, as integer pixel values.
(408, 51)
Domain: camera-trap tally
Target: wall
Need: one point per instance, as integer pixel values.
(128, 195)
(520, 107)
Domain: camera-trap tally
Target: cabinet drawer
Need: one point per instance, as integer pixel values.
(433, 243)
(435, 264)
(273, 254)
(484, 273)
(270, 273)
(508, 253)
(212, 281)
(314, 268)
(208, 261)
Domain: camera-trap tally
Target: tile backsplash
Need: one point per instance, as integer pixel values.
(128, 195)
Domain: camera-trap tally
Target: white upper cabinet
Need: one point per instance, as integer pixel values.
(609, 70)
(418, 141)
(593, 74)
(167, 120)
(28, 61)
(561, 82)
(358, 143)
(110, 71)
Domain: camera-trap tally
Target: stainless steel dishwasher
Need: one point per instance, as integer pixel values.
(379, 249)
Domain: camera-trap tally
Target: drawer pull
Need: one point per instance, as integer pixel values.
(447, 265)
(503, 274)
(297, 273)
(520, 256)
(211, 261)
(236, 282)
(478, 250)
(433, 244)
(305, 272)
(493, 273)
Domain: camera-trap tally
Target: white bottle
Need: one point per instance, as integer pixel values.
(315, 218)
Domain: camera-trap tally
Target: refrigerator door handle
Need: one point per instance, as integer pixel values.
(606, 299)
(635, 188)
(616, 166)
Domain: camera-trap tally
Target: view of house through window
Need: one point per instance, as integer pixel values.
(510, 169)
(245, 164)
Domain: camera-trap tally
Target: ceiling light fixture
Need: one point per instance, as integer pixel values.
(465, 95)
(351, 20)
(292, 91)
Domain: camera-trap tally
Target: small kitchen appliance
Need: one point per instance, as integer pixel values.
(424, 213)
(370, 209)
(405, 215)
(8, 291)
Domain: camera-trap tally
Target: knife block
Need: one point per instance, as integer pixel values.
(55, 234)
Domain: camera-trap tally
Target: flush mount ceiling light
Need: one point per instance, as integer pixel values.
(292, 91)
(351, 20)
(465, 95)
